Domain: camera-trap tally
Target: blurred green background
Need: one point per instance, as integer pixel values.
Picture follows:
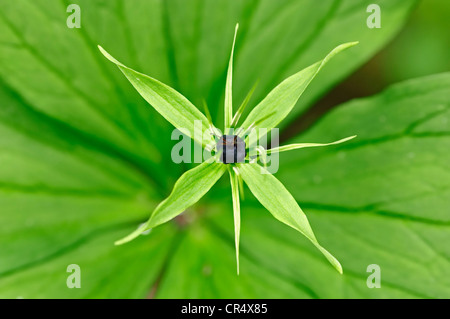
(420, 48)
(84, 160)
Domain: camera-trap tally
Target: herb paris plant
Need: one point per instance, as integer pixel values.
(195, 183)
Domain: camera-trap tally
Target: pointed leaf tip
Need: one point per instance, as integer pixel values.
(228, 107)
(168, 102)
(107, 55)
(281, 204)
(285, 95)
(236, 211)
(188, 189)
(131, 236)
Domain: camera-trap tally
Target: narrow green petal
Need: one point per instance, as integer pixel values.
(303, 145)
(172, 105)
(229, 86)
(236, 212)
(212, 128)
(242, 107)
(281, 100)
(240, 182)
(281, 204)
(241, 132)
(207, 113)
(188, 190)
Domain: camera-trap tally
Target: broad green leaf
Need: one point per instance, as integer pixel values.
(276, 39)
(229, 87)
(236, 212)
(279, 45)
(84, 95)
(411, 251)
(188, 190)
(280, 101)
(103, 274)
(283, 36)
(208, 251)
(291, 147)
(62, 203)
(385, 194)
(280, 203)
(110, 160)
(380, 199)
(56, 188)
(168, 102)
(275, 263)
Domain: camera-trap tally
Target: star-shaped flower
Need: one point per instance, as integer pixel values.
(235, 151)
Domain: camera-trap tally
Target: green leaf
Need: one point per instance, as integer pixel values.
(280, 101)
(229, 86)
(58, 188)
(103, 274)
(369, 202)
(280, 203)
(290, 147)
(85, 96)
(384, 195)
(243, 105)
(302, 33)
(188, 190)
(84, 159)
(189, 57)
(236, 212)
(168, 102)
